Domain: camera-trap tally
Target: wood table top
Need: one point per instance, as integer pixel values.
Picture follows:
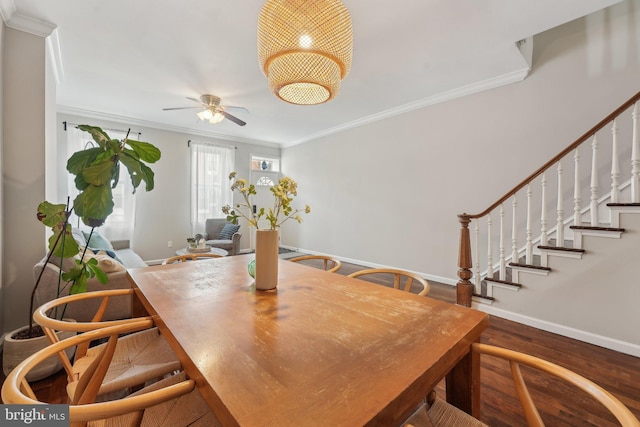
(321, 349)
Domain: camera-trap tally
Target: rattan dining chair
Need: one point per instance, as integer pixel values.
(329, 264)
(399, 276)
(139, 357)
(172, 401)
(441, 413)
(189, 257)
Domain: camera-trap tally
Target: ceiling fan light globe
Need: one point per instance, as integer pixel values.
(205, 115)
(217, 117)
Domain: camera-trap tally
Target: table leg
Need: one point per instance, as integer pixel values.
(463, 384)
(137, 308)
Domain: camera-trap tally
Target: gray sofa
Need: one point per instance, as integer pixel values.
(119, 307)
(217, 236)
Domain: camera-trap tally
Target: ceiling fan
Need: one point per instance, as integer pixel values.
(211, 110)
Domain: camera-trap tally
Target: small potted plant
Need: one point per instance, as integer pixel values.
(266, 261)
(96, 171)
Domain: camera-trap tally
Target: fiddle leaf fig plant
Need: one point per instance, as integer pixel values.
(97, 172)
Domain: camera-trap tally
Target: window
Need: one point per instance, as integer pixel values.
(210, 186)
(268, 164)
(265, 181)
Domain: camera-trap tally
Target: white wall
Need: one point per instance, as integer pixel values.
(163, 214)
(24, 76)
(389, 193)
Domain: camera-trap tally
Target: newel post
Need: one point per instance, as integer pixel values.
(464, 288)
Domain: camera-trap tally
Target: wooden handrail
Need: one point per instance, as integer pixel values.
(559, 156)
(464, 287)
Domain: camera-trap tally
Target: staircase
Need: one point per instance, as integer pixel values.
(541, 256)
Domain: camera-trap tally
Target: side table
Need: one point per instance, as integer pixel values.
(219, 251)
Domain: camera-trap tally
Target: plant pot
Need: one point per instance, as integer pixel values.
(15, 351)
(266, 259)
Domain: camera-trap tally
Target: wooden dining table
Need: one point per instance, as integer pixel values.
(322, 349)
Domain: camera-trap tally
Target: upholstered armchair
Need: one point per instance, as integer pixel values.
(222, 234)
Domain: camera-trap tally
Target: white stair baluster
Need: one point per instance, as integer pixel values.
(529, 249)
(489, 248)
(477, 257)
(560, 210)
(593, 207)
(635, 156)
(577, 200)
(543, 211)
(503, 264)
(615, 164)
(514, 230)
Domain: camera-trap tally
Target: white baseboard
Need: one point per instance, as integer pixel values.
(588, 337)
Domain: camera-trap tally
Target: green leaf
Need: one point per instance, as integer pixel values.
(115, 176)
(138, 172)
(79, 286)
(98, 134)
(75, 273)
(66, 246)
(99, 174)
(145, 151)
(98, 273)
(52, 215)
(94, 203)
(114, 146)
(82, 159)
(131, 153)
(80, 182)
(147, 176)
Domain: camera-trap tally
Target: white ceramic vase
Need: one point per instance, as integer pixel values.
(15, 351)
(266, 259)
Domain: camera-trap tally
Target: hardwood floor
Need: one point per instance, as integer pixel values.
(559, 404)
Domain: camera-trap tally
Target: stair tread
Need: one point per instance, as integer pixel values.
(484, 296)
(559, 248)
(584, 227)
(535, 267)
(624, 204)
(506, 282)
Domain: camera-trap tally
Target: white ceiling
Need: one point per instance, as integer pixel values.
(120, 59)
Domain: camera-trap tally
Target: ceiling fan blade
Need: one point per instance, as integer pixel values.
(180, 108)
(232, 106)
(234, 119)
(194, 100)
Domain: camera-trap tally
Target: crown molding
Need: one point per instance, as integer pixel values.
(505, 79)
(161, 126)
(25, 23)
(7, 9)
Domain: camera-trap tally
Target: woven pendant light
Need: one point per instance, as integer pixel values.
(305, 48)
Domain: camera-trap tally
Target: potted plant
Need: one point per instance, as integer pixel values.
(96, 171)
(266, 260)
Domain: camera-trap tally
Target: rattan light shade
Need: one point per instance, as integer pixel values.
(305, 48)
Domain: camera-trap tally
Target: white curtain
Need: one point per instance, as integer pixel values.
(119, 225)
(210, 185)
